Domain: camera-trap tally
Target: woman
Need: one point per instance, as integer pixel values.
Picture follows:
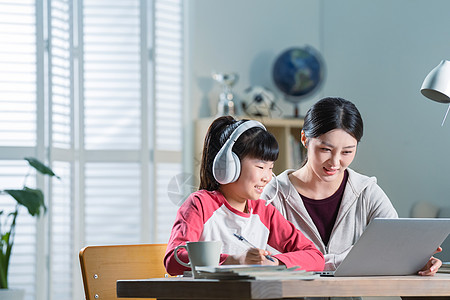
(329, 202)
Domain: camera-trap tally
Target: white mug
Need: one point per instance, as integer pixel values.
(205, 253)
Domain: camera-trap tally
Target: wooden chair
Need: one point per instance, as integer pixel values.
(102, 266)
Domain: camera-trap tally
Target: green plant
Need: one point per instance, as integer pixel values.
(33, 200)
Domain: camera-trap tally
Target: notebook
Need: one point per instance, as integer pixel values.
(394, 247)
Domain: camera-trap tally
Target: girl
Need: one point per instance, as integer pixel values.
(237, 162)
(329, 202)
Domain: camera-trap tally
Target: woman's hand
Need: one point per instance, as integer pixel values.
(432, 265)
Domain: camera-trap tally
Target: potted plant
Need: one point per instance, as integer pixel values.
(33, 201)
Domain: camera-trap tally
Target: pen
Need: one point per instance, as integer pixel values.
(243, 239)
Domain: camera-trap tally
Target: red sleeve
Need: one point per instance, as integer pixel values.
(188, 226)
(295, 248)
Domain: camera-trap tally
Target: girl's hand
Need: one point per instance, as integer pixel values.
(255, 256)
(432, 265)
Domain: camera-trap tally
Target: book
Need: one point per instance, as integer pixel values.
(445, 268)
(257, 272)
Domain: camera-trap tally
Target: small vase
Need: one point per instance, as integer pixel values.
(12, 294)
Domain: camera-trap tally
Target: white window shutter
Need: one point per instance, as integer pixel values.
(115, 174)
(111, 43)
(169, 66)
(61, 128)
(61, 70)
(18, 130)
(62, 250)
(18, 74)
(112, 203)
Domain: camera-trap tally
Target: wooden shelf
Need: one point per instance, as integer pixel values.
(286, 131)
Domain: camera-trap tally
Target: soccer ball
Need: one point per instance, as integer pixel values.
(258, 101)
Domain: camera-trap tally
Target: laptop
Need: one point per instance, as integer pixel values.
(394, 247)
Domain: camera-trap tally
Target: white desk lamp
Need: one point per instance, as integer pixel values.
(436, 85)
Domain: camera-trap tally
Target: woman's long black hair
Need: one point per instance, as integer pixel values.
(333, 113)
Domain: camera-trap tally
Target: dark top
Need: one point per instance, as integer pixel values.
(324, 212)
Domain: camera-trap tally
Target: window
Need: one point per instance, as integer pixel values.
(18, 72)
(95, 89)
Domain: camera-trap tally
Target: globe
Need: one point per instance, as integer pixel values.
(298, 72)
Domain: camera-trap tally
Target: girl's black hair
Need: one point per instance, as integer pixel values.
(254, 142)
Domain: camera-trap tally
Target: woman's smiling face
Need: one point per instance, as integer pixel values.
(330, 154)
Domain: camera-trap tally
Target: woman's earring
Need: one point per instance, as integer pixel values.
(304, 144)
(303, 139)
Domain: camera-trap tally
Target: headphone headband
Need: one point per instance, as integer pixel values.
(241, 129)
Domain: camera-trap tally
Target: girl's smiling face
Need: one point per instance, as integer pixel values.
(255, 174)
(330, 154)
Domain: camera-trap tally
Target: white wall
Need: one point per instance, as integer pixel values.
(377, 54)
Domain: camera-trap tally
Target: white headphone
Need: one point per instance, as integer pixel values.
(226, 166)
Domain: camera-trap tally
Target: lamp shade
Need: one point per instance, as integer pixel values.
(436, 85)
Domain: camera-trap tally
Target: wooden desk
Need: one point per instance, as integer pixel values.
(435, 287)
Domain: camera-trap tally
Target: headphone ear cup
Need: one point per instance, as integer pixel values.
(235, 171)
(226, 166)
(222, 163)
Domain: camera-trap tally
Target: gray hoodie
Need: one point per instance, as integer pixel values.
(362, 201)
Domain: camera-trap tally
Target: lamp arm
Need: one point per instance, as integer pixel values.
(445, 117)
